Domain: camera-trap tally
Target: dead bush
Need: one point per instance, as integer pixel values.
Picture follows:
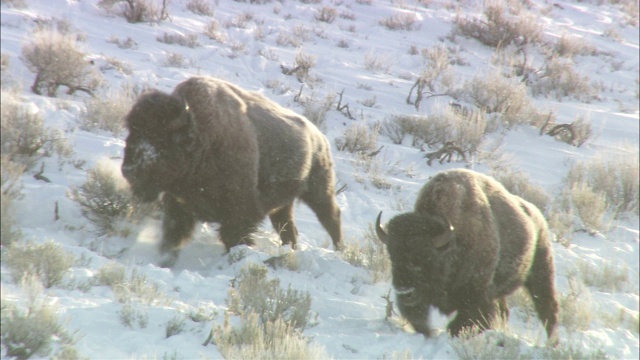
(378, 62)
(48, 261)
(576, 133)
(559, 78)
(107, 112)
(252, 292)
(370, 254)
(397, 127)
(58, 61)
(135, 11)
(518, 184)
(614, 177)
(327, 14)
(501, 25)
(407, 21)
(33, 330)
(504, 97)
(359, 138)
(436, 78)
(201, 7)
(106, 202)
(190, 40)
(23, 136)
(571, 46)
(214, 31)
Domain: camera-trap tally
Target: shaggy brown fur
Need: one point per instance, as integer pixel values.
(222, 154)
(467, 245)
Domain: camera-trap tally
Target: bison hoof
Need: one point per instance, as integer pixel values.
(169, 258)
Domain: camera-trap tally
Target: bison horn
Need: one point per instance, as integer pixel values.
(444, 239)
(382, 235)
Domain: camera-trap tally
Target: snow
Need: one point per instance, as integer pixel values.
(351, 311)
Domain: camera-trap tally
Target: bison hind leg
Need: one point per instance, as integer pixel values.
(283, 224)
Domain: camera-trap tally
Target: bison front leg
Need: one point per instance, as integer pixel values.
(237, 230)
(282, 221)
(417, 315)
(177, 230)
(327, 211)
(477, 311)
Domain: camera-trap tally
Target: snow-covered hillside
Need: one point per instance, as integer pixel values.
(351, 65)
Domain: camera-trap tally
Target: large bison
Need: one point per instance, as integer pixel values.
(467, 245)
(222, 154)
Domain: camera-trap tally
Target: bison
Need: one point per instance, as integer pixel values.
(221, 154)
(467, 245)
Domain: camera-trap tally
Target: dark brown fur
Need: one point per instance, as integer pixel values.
(467, 245)
(222, 154)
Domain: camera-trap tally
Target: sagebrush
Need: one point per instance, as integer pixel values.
(57, 60)
(49, 261)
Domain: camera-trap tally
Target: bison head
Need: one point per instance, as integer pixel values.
(160, 133)
(419, 246)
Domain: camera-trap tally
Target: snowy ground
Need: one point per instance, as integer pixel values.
(351, 310)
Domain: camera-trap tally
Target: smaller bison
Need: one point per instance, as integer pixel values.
(467, 245)
(221, 154)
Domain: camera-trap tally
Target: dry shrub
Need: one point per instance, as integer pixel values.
(497, 343)
(606, 276)
(505, 97)
(303, 63)
(378, 62)
(359, 138)
(135, 287)
(128, 43)
(397, 127)
(58, 61)
(135, 11)
(577, 133)
(11, 187)
(31, 331)
(48, 261)
(23, 136)
(614, 179)
(107, 112)
(369, 254)
(327, 14)
(201, 7)
(576, 313)
(559, 78)
(407, 21)
(271, 340)
(590, 206)
(176, 60)
(436, 77)
(253, 293)
(241, 21)
(571, 46)
(272, 320)
(190, 40)
(106, 201)
(518, 184)
(503, 24)
(316, 111)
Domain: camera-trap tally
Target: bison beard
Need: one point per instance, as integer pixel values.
(467, 245)
(221, 154)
